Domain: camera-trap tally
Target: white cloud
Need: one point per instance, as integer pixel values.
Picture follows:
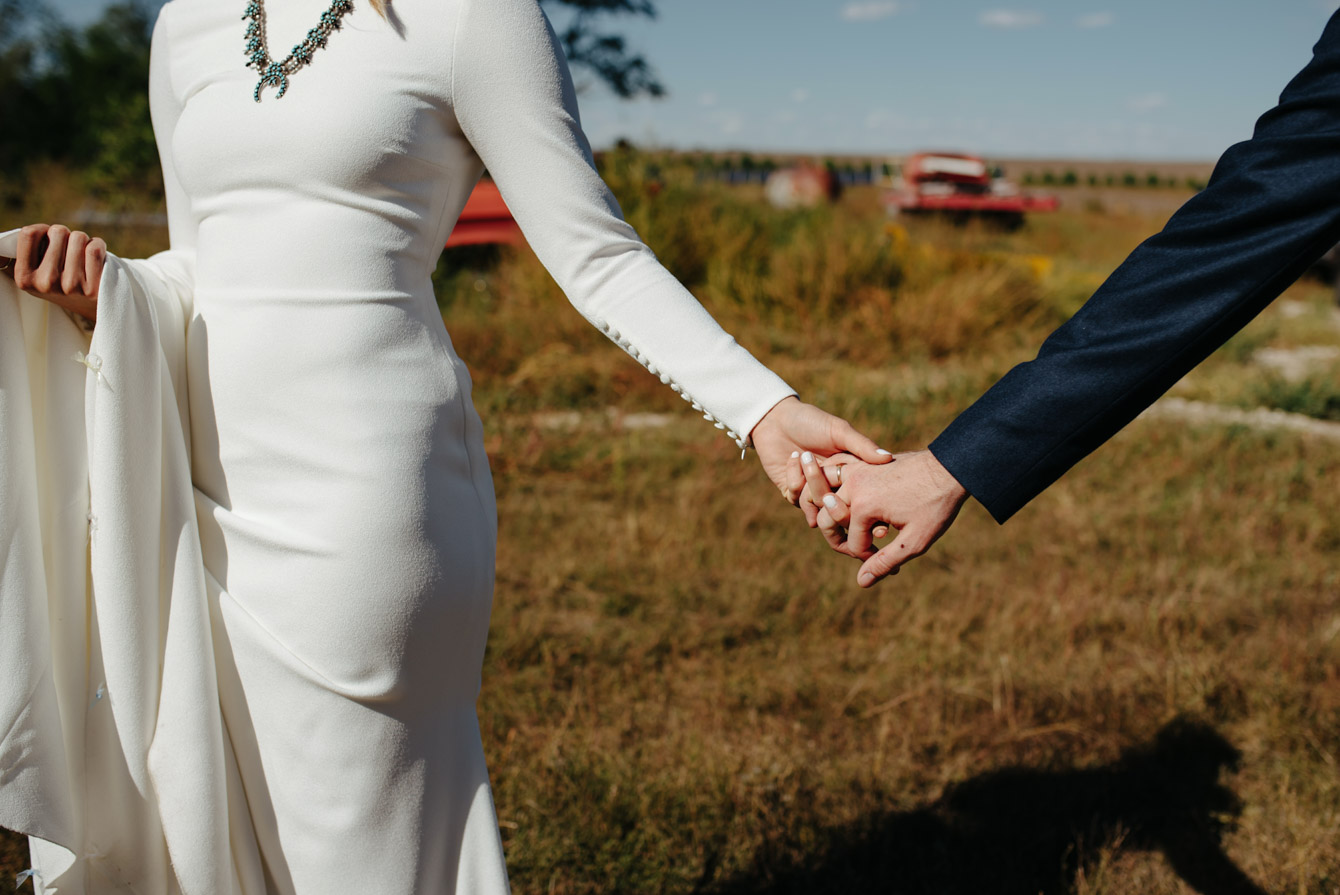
(870, 10)
(1010, 18)
(1147, 102)
(707, 99)
(1096, 20)
(729, 122)
(800, 94)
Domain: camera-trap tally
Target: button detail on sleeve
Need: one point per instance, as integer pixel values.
(617, 337)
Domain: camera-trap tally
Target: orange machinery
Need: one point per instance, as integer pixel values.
(962, 187)
(485, 219)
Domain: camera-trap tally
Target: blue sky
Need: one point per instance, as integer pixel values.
(1140, 79)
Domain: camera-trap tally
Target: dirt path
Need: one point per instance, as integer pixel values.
(1259, 418)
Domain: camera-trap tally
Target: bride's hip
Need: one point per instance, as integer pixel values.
(359, 583)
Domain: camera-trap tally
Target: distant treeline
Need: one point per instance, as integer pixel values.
(747, 169)
(740, 168)
(77, 96)
(1127, 179)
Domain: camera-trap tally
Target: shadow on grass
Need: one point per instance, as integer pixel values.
(1026, 831)
(13, 856)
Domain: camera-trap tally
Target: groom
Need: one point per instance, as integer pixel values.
(1271, 209)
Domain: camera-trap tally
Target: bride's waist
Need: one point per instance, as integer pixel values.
(373, 279)
(308, 297)
(275, 329)
(310, 265)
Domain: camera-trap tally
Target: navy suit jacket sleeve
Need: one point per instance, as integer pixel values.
(1272, 207)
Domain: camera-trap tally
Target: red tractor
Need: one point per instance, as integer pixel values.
(961, 187)
(485, 219)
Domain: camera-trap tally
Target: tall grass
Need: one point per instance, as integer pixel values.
(1316, 395)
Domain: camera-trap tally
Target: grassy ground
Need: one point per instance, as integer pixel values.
(1134, 687)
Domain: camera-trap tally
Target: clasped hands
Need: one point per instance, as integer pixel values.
(854, 492)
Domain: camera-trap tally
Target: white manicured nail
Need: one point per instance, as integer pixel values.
(807, 457)
(884, 452)
(795, 454)
(830, 501)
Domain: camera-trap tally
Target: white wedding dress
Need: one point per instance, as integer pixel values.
(341, 493)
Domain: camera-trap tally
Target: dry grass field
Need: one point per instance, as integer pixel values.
(1131, 688)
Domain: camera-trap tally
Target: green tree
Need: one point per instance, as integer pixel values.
(101, 72)
(18, 60)
(589, 46)
(79, 93)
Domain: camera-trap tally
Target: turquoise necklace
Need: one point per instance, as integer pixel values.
(275, 74)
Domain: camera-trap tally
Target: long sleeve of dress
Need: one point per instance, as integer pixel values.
(1270, 211)
(515, 103)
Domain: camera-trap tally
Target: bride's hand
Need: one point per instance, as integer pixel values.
(60, 265)
(793, 427)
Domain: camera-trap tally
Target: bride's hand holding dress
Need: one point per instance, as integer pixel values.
(60, 265)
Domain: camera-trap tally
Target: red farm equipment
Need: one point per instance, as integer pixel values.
(961, 187)
(485, 219)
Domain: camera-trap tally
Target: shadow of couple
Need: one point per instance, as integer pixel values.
(1025, 831)
(1017, 831)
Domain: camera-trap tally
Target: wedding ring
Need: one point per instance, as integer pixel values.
(838, 468)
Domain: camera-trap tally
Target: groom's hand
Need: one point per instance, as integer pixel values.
(914, 494)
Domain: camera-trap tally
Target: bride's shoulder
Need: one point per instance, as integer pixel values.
(191, 34)
(190, 14)
(510, 23)
(177, 8)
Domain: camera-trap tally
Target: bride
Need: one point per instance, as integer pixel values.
(345, 508)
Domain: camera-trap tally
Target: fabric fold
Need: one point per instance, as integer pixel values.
(113, 752)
